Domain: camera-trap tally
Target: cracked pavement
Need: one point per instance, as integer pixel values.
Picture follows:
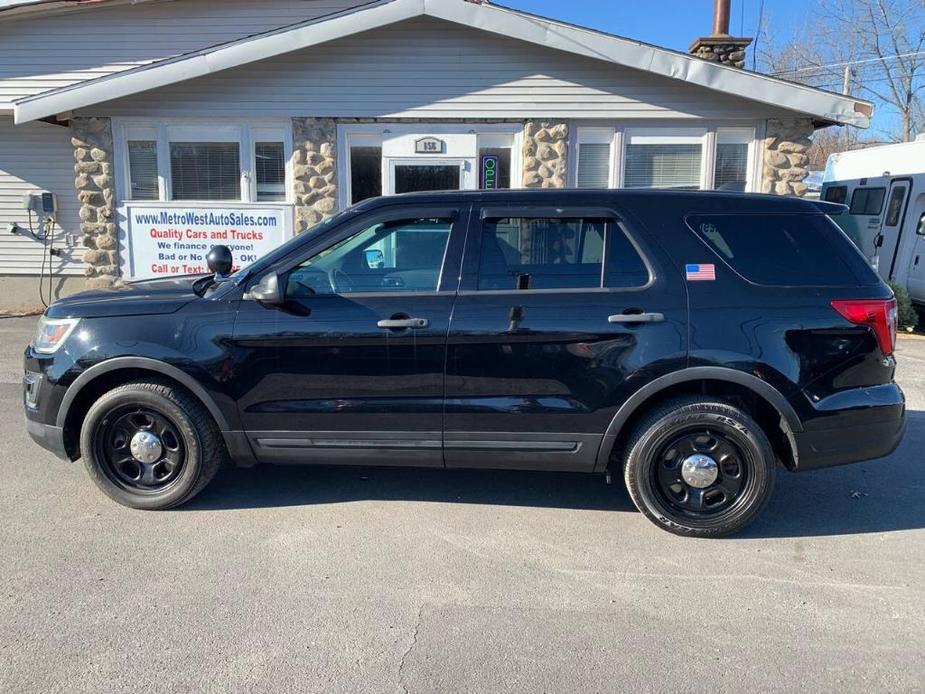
(384, 580)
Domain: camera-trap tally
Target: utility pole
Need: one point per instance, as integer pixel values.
(846, 84)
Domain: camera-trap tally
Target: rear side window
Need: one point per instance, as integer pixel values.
(837, 194)
(557, 253)
(867, 201)
(784, 249)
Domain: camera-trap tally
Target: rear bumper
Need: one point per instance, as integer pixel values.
(49, 437)
(853, 426)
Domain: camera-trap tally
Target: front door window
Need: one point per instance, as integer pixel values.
(398, 256)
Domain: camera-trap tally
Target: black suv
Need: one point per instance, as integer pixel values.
(690, 341)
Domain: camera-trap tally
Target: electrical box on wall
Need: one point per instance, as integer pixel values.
(41, 202)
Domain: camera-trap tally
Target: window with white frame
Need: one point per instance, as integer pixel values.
(663, 158)
(595, 157)
(732, 165)
(215, 162)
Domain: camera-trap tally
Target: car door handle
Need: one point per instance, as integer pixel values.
(401, 323)
(637, 318)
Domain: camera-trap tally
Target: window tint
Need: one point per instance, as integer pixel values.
(867, 200)
(270, 160)
(567, 253)
(401, 256)
(142, 166)
(784, 249)
(837, 194)
(894, 209)
(205, 170)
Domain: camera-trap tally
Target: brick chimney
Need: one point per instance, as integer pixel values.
(720, 47)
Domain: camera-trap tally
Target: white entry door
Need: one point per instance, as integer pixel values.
(425, 173)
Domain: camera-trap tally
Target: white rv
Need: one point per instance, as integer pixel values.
(884, 188)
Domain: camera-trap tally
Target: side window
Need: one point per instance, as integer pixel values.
(395, 256)
(894, 209)
(783, 249)
(837, 194)
(867, 201)
(556, 253)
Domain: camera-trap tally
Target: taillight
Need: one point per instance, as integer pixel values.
(879, 314)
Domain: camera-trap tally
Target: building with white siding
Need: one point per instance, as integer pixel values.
(160, 126)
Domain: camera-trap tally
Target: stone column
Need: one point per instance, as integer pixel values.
(786, 163)
(314, 169)
(545, 154)
(92, 141)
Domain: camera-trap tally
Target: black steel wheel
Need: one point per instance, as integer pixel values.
(140, 448)
(150, 445)
(699, 467)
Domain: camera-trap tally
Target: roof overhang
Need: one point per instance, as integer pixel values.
(824, 107)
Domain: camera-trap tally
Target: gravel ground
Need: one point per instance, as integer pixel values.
(368, 580)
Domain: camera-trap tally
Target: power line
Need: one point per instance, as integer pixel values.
(846, 64)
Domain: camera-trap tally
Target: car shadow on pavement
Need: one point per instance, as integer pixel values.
(871, 497)
(275, 485)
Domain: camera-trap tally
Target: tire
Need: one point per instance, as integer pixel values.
(691, 429)
(190, 445)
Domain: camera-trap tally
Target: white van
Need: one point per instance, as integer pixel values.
(884, 188)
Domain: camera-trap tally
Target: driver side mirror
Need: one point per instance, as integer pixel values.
(921, 230)
(266, 291)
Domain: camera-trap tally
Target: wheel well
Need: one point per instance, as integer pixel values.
(761, 410)
(96, 388)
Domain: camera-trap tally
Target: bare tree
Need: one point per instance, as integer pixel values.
(874, 47)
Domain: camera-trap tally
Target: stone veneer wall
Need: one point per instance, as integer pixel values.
(786, 163)
(545, 155)
(314, 170)
(724, 50)
(92, 141)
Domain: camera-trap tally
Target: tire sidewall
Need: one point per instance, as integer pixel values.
(188, 478)
(754, 445)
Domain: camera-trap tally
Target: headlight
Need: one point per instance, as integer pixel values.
(52, 333)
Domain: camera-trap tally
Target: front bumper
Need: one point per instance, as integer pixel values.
(48, 437)
(853, 426)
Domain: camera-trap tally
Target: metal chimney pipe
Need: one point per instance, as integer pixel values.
(721, 17)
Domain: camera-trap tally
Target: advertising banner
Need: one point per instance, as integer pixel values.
(174, 239)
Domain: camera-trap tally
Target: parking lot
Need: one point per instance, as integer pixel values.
(368, 580)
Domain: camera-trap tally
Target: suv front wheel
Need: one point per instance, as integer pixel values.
(151, 446)
(700, 468)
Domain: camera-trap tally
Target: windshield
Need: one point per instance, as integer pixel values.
(284, 250)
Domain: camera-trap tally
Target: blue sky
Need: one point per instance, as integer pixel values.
(670, 23)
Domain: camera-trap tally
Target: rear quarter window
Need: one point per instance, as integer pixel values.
(784, 250)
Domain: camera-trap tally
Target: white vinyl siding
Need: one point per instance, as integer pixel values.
(33, 157)
(50, 51)
(426, 67)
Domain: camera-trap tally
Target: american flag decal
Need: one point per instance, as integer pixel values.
(700, 273)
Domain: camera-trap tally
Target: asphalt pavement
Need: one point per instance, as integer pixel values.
(381, 580)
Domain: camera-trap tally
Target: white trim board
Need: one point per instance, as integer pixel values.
(826, 107)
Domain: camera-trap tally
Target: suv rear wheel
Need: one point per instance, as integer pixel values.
(150, 446)
(699, 468)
